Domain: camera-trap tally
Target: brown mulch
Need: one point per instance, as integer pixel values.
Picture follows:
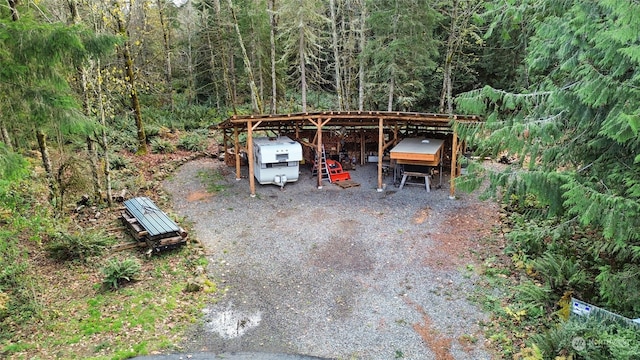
(459, 237)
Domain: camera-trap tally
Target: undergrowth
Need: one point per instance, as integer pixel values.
(530, 295)
(53, 303)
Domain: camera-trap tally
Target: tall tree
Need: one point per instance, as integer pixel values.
(402, 48)
(272, 42)
(38, 58)
(336, 53)
(166, 43)
(121, 14)
(361, 59)
(576, 133)
(303, 37)
(460, 14)
(255, 94)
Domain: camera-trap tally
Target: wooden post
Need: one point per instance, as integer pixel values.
(252, 182)
(362, 148)
(380, 151)
(318, 143)
(454, 164)
(320, 165)
(236, 140)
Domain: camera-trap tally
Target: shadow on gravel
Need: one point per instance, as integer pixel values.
(232, 356)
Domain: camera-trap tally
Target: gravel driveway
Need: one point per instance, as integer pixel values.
(334, 273)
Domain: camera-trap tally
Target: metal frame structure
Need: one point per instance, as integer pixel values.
(393, 122)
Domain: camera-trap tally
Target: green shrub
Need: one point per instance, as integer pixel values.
(118, 272)
(152, 130)
(598, 339)
(118, 162)
(193, 142)
(561, 272)
(162, 146)
(124, 140)
(80, 246)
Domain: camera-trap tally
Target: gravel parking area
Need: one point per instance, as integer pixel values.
(335, 273)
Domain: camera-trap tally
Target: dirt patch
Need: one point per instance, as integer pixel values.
(422, 215)
(198, 195)
(439, 344)
(342, 253)
(458, 236)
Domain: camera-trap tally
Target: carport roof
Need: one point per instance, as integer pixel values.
(347, 118)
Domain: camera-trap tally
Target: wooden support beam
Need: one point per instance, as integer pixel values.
(236, 142)
(380, 151)
(454, 164)
(252, 181)
(320, 165)
(362, 148)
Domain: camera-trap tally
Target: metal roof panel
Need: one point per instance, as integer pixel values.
(155, 221)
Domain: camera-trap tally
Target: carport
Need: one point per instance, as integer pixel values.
(391, 127)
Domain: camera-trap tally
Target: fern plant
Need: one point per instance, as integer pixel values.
(78, 245)
(118, 272)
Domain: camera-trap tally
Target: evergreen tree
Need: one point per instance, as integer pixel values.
(401, 49)
(38, 59)
(575, 133)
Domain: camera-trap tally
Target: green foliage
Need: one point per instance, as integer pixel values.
(573, 184)
(193, 142)
(561, 272)
(162, 146)
(12, 165)
(574, 137)
(590, 338)
(80, 245)
(118, 162)
(118, 272)
(620, 288)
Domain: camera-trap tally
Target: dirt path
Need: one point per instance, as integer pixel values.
(335, 273)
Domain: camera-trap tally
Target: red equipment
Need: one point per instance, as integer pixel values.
(335, 171)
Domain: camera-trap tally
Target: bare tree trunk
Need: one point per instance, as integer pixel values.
(363, 40)
(73, 10)
(391, 90)
(6, 139)
(104, 144)
(15, 16)
(166, 37)
(336, 53)
(303, 72)
(448, 62)
(392, 75)
(93, 161)
(272, 41)
(91, 149)
(191, 79)
(226, 73)
(257, 102)
(135, 101)
(46, 163)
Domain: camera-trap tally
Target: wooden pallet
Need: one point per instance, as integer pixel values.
(346, 184)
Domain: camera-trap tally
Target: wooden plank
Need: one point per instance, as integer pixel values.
(415, 149)
(415, 156)
(416, 162)
(345, 184)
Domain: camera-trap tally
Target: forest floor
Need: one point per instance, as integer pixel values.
(338, 273)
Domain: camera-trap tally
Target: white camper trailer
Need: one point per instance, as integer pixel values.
(276, 160)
